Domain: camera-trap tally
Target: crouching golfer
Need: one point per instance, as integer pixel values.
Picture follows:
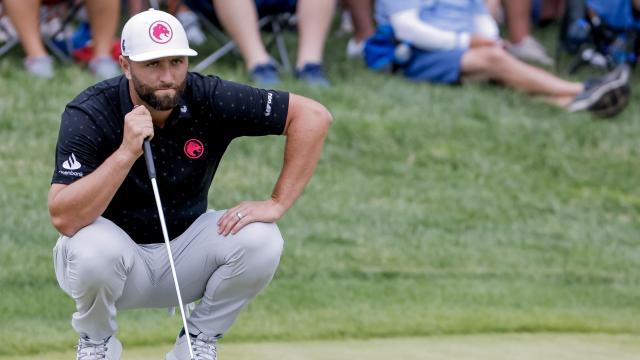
(111, 254)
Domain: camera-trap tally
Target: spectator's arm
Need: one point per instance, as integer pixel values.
(486, 27)
(408, 27)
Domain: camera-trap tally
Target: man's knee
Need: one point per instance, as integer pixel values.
(262, 238)
(257, 253)
(98, 252)
(490, 57)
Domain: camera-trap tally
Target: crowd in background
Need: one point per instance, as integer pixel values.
(440, 41)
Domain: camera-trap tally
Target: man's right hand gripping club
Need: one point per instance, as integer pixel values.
(138, 126)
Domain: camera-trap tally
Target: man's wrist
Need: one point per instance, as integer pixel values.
(125, 157)
(280, 208)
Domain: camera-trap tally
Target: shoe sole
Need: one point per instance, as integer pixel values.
(604, 90)
(615, 106)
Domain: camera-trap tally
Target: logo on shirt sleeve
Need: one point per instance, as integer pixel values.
(193, 148)
(267, 109)
(70, 165)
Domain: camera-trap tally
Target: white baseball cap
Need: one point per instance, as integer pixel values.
(154, 34)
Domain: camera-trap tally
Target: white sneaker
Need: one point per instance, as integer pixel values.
(107, 349)
(529, 49)
(204, 348)
(191, 24)
(39, 66)
(104, 67)
(355, 48)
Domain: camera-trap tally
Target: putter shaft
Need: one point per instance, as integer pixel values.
(151, 169)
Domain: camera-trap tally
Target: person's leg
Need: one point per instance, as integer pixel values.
(522, 43)
(225, 272)
(24, 17)
(496, 64)
(240, 20)
(362, 16)
(518, 16)
(103, 16)
(361, 12)
(552, 9)
(314, 19)
(104, 271)
(92, 267)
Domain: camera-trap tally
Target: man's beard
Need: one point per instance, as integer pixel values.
(165, 102)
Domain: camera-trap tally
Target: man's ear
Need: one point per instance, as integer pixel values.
(125, 65)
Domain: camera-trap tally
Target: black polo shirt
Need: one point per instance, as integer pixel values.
(186, 151)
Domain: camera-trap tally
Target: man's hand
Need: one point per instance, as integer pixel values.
(137, 127)
(480, 41)
(247, 212)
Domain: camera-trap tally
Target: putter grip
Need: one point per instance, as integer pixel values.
(148, 158)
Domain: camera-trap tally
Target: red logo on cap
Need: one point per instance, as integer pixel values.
(160, 32)
(193, 148)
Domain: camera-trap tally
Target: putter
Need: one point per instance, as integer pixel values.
(151, 169)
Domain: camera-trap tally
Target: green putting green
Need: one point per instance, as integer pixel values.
(459, 347)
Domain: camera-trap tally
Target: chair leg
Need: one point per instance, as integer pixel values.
(8, 45)
(215, 56)
(282, 48)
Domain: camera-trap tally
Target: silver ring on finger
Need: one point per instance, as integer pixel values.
(239, 215)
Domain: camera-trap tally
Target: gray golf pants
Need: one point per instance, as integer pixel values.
(103, 270)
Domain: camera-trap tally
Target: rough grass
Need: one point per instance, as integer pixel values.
(434, 210)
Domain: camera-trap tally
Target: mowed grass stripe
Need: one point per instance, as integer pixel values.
(477, 347)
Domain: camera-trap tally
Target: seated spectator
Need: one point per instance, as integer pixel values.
(239, 18)
(361, 16)
(103, 17)
(448, 41)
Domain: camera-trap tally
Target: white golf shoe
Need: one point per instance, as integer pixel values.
(204, 348)
(107, 349)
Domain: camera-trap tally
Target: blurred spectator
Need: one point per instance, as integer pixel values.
(239, 18)
(103, 16)
(448, 41)
(361, 15)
